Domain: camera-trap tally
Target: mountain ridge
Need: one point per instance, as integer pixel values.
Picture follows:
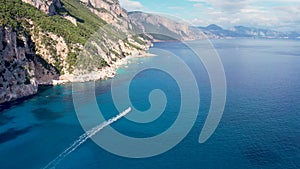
(176, 30)
(248, 32)
(160, 28)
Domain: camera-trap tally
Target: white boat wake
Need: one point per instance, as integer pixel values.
(83, 138)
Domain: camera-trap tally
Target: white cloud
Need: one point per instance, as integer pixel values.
(228, 5)
(256, 13)
(131, 5)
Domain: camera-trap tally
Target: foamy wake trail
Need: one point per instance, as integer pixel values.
(84, 137)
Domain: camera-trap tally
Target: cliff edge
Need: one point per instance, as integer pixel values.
(42, 40)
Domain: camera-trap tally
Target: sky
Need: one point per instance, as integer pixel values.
(281, 15)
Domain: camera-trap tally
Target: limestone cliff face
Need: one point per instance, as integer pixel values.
(21, 70)
(50, 7)
(111, 12)
(108, 10)
(47, 6)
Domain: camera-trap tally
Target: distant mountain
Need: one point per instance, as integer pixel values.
(214, 27)
(259, 33)
(219, 31)
(159, 28)
(247, 32)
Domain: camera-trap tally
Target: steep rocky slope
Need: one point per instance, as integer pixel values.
(160, 28)
(110, 11)
(56, 34)
(47, 6)
(21, 70)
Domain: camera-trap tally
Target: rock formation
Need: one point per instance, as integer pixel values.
(21, 70)
(111, 12)
(47, 6)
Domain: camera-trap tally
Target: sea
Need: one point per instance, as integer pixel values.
(259, 125)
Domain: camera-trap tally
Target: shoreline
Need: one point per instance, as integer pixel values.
(102, 74)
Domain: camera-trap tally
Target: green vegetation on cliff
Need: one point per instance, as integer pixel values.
(80, 29)
(16, 14)
(87, 21)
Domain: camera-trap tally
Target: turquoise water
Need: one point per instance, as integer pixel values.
(260, 127)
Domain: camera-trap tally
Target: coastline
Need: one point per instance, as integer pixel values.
(104, 73)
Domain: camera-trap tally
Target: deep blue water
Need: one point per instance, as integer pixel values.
(260, 127)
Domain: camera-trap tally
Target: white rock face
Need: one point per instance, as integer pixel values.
(71, 19)
(45, 51)
(21, 71)
(110, 11)
(47, 6)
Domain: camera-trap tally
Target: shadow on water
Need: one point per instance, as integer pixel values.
(46, 114)
(12, 134)
(18, 102)
(5, 119)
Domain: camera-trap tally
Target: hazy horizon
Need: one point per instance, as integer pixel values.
(278, 15)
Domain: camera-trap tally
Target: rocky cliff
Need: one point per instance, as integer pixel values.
(160, 28)
(109, 10)
(42, 41)
(105, 16)
(47, 6)
(21, 70)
